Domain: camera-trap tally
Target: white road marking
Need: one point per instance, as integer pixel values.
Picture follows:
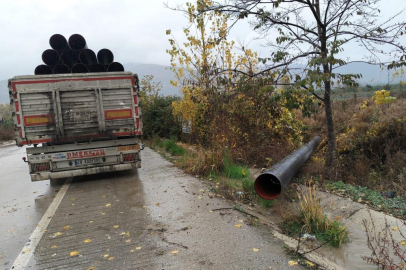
(25, 255)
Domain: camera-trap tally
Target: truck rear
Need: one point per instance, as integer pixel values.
(77, 124)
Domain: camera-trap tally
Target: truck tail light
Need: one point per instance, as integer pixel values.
(129, 157)
(40, 167)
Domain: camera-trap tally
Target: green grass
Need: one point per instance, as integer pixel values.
(395, 206)
(234, 171)
(171, 147)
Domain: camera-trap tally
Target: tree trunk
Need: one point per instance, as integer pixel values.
(331, 138)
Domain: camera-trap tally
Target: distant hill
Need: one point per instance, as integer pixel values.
(371, 74)
(161, 74)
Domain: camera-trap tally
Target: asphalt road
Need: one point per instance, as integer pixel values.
(154, 218)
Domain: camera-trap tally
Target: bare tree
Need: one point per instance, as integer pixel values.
(311, 34)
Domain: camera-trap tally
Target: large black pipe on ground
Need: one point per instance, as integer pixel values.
(87, 57)
(271, 183)
(69, 57)
(115, 66)
(105, 57)
(50, 57)
(77, 42)
(79, 68)
(61, 69)
(97, 68)
(42, 70)
(58, 42)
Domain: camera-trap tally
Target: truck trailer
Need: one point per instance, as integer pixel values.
(77, 124)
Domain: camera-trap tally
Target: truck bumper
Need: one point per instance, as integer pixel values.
(85, 171)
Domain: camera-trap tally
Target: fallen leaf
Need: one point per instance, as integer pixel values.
(403, 243)
(241, 220)
(123, 233)
(175, 251)
(91, 268)
(103, 196)
(66, 227)
(74, 253)
(106, 255)
(132, 250)
(57, 234)
(201, 190)
(102, 213)
(72, 199)
(88, 240)
(115, 226)
(128, 240)
(395, 228)
(138, 248)
(108, 205)
(91, 221)
(255, 249)
(309, 263)
(158, 204)
(54, 246)
(292, 263)
(26, 250)
(110, 258)
(238, 225)
(127, 234)
(53, 255)
(211, 211)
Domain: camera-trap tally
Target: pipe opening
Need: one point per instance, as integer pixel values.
(87, 57)
(77, 42)
(79, 68)
(58, 42)
(97, 68)
(105, 57)
(69, 57)
(115, 66)
(42, 70)
(50, 57)
(61, 69)
(268, 186)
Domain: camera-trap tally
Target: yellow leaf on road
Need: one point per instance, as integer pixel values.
(403, 243)
(128, 240)
(88, 240)
(158, 204)
(238, 225)
(123, 233)
(211, 211)
(255, 249)
(241, 221)
(175, 251)
(91, 268)
(91, 221)
(57, 234)
(102, 213)
(74, 253)
(110, 258)
(108, 205)
(54, 246)
(395, 228)
(115, 226)
(292, 263)
(106, 255)
(127, 234)
(138, 248)
(309, 263)
(103, 196)
(66, 227)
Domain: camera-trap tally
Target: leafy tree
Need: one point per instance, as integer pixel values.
(311, 34)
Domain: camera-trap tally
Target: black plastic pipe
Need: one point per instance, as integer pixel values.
(61, 69)
(77, 42)
(50, 57)
(87, 57)
(79, 68)
(58, 42)
(97, 68)
(42, 70)
(105, 57)
(115, 66)
(69, 57)
(271, 183)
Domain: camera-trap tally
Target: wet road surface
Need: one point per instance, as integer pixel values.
(154, 218)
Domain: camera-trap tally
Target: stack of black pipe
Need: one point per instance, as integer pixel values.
(73, 56)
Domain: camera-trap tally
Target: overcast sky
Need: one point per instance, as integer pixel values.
(134, 30)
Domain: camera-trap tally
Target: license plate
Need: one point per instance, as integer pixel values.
(128, 148)
(87, 161)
